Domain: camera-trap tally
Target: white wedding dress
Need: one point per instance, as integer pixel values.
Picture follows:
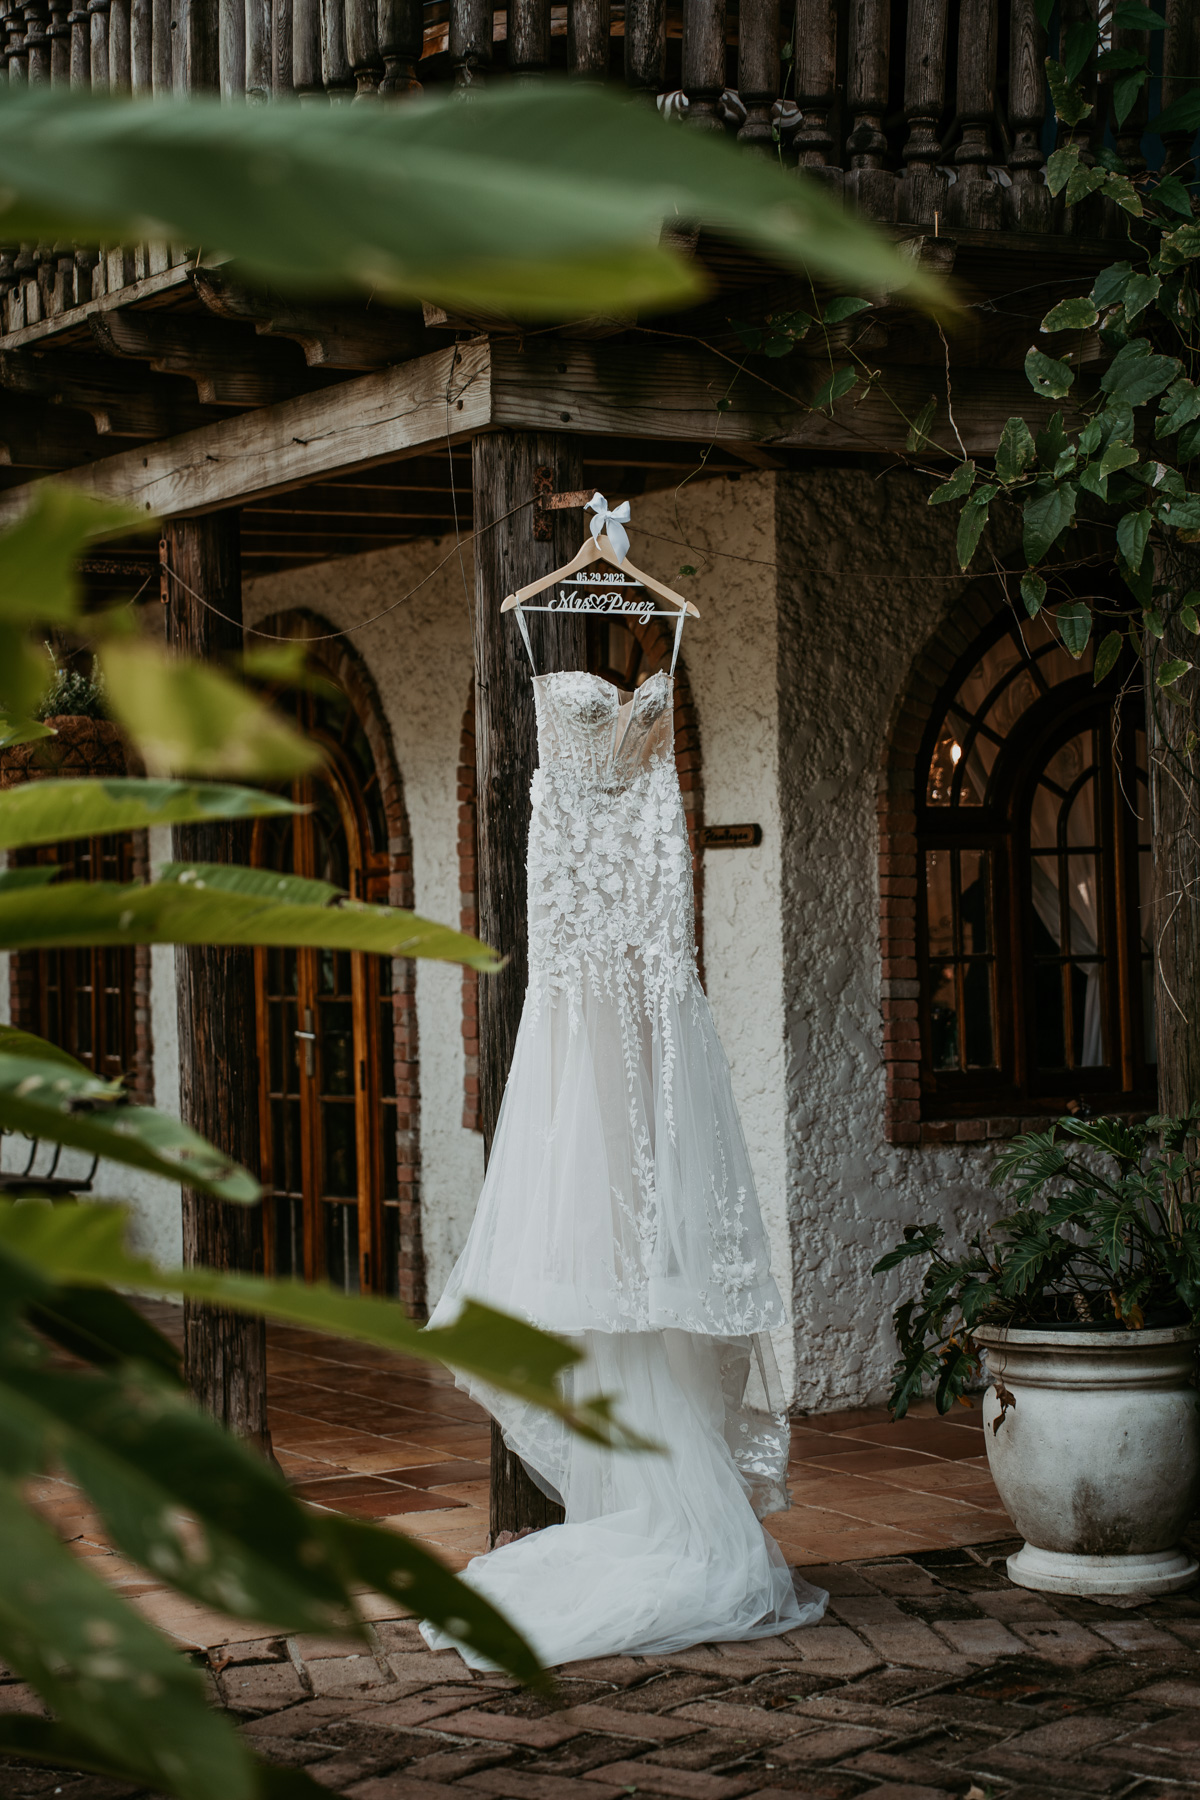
(620, 1211)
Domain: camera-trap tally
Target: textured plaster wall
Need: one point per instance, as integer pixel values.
(731, 653)
(419, 656)
(867, 571)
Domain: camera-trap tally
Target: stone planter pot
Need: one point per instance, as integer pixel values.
(1097, 1459)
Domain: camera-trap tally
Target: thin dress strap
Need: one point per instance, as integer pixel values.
(525, 634)
(678, 638)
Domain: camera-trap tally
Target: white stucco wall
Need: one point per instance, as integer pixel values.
(731, 654)
(419, 656)
(867, 571)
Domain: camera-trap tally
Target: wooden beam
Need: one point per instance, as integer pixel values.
(661, 390)
(331, 336)
(641, 392)
(228, 364)
(416, 407)
(122, 402)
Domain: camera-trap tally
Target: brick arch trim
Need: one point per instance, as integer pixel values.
(346, 668)
(931, 668)
(657, 641)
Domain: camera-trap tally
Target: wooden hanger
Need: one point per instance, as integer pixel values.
(598, 550)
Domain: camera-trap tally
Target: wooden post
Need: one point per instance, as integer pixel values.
(225, 1354)
(400, 41)
(507, 555)
(588, 26)
(922, 190)
(758, 68)
(974, 200)
(645, 44)
(1028, 202)
(704, 62)
(816, 88)
(870, 180)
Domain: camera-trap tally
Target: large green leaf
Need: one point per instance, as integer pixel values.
(195, 911)
(47, 812)
(544, 200)
(35, 1740)
(39, 584)
(84, 1245)
(1136, 374)
(187, 718)
(1044, 519)
(16, 1042)
(71, 1106)
(106, 1673)
(101, 1327)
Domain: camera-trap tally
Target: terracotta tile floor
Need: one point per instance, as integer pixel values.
(360, 1431)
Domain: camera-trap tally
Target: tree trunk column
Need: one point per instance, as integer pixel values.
(225, 1354)
(508, 554)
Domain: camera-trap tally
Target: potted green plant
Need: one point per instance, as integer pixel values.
(1083, 1303)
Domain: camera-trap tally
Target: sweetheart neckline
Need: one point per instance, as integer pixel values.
(630, 699)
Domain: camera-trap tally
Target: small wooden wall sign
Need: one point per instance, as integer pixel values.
(730, 837)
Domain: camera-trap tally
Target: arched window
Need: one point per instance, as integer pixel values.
(1033, 987)
(337, 1030)
(94, 1003)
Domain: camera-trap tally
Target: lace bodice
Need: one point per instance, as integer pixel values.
(610, 873)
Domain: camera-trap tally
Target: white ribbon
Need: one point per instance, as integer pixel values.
(612, 522)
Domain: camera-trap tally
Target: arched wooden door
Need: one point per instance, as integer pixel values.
(326, 1036)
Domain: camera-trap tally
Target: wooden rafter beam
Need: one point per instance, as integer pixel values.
(331, 336)
(416, 407)
(228, 364)
(122, 402)
(639, 392)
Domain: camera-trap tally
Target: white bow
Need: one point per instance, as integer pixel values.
(612, 522)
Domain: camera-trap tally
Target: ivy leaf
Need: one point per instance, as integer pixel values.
(1077, 46)
(1189, 442)
(1172, 194)
(1125, 92)
(958, 485)
(1180, 405)
(1119, 187)
(1016, 452)
(971, 524)
(1071, 315)
(1106, 657)
(1117, 456)
(1128, 15)
(1152, 620)
(1089, 437)
(919, 430)
(1045, 517)
(844, 307)
(1140, 290)
(1074, 621)
(839, 383)
(1183, 244)
(1183, 115)
(1187, 616)
(1170, 672)
(1093, 480)
(1033, 593)
(1049, 377)
(1069, 104)
(1109, 286)
(1059, 167)
(1133, 532)
(1051, 441)
(1135, 375)
(1084, 181)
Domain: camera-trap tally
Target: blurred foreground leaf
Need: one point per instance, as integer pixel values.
(545, 201)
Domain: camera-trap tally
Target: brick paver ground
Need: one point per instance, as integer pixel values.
(933, 1678)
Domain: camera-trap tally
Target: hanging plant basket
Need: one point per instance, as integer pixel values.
(81, 747)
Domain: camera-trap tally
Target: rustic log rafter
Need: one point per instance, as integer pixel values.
(226, 363)
(122, 403)
(331, 336)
